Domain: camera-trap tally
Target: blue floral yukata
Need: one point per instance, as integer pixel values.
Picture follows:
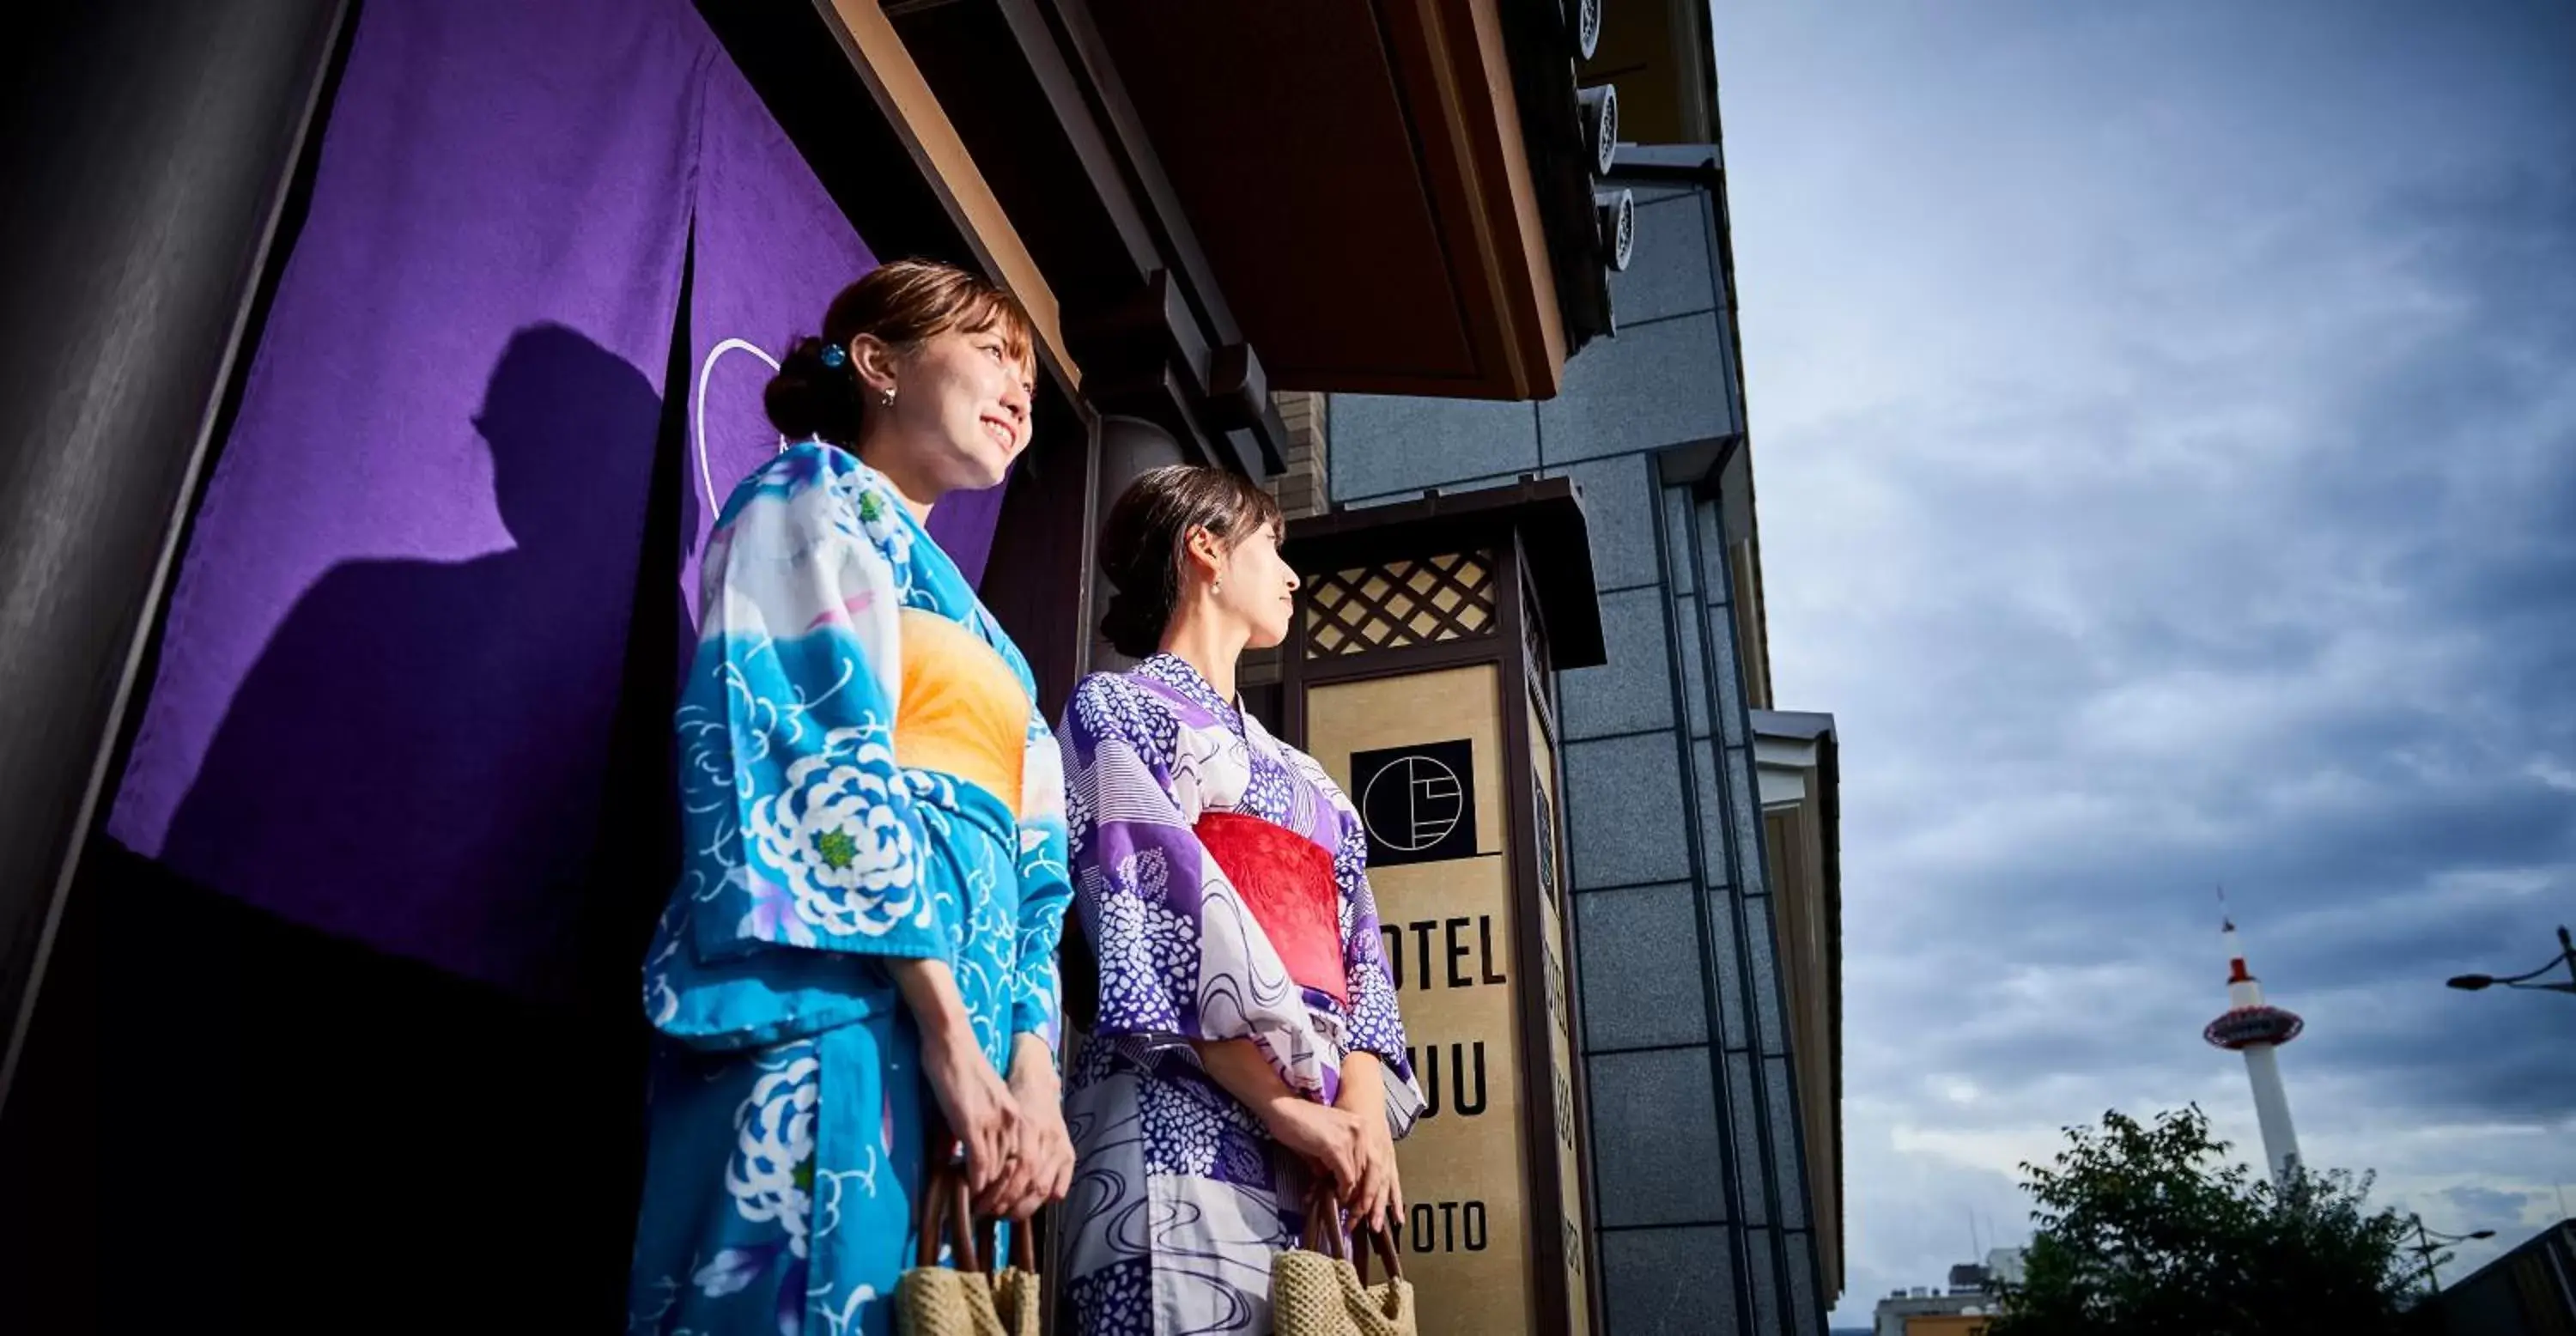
(864, 776)
(1180, 1196)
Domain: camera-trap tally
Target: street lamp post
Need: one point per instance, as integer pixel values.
(2429, 1242)
(2566, 956)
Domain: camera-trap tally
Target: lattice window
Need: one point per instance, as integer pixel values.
(1400, 603)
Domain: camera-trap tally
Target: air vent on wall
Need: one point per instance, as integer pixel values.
(1601, 124)
(1587, 27)
(1618, 226)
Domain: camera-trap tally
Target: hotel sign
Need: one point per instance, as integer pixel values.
(1418, 677)
(1446, 922)
(1418, 802)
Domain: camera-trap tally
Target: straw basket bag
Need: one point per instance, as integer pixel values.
(1322, 1289)
(935, 1300)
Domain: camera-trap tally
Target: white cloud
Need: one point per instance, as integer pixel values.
(2168, 476)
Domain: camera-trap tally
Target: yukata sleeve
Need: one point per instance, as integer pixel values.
(1377, 1026)
(806, 845)
(1045, 888)
(1180, 956)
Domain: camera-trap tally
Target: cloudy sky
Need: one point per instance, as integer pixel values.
(2165, 424)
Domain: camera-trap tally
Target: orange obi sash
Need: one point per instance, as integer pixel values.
(962, 711)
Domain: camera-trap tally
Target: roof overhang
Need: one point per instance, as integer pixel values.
(1791, 748)
(1395, 195)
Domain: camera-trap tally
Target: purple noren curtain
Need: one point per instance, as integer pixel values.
(389, 678)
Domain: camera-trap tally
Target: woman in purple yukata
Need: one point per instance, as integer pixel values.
(1246, 1050)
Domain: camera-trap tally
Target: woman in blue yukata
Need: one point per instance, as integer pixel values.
(874, 879)
(1247, 1049)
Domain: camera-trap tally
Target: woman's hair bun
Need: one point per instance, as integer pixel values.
(811, 398)
(1134, 623)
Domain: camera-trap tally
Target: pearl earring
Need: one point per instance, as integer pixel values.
(1218, 587)
(886, 396)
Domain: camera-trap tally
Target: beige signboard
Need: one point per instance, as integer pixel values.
(1447, 926)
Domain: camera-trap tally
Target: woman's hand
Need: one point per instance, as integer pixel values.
(1372, 1195)
(1329, 1138)
(1347, 1143)
(1043, 1169)
(978, 1106)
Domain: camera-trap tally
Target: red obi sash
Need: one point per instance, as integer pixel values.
(1287, 882)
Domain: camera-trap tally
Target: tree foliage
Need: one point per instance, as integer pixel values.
(2150, 1230)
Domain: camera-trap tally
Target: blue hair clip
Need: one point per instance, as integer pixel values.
(835, 356)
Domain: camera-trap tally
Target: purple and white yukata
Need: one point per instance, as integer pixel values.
(1180, 1197)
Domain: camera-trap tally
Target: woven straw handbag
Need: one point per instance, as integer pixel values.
(935, 1300)
(1322, 1287)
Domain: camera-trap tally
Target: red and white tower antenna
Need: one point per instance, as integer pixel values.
(2255, 1029)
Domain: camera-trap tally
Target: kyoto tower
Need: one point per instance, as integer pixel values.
(2254, 1029)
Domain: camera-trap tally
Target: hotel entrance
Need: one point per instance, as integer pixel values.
(341, 803)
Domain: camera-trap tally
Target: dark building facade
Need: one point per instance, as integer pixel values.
(1701, 821)
(2528, 1291)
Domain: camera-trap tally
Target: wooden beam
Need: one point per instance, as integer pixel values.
(1459, 89)
(1504, 165)
(1161, 203)
(877, 53)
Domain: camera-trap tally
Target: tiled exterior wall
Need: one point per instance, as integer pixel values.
(1699, 1191)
